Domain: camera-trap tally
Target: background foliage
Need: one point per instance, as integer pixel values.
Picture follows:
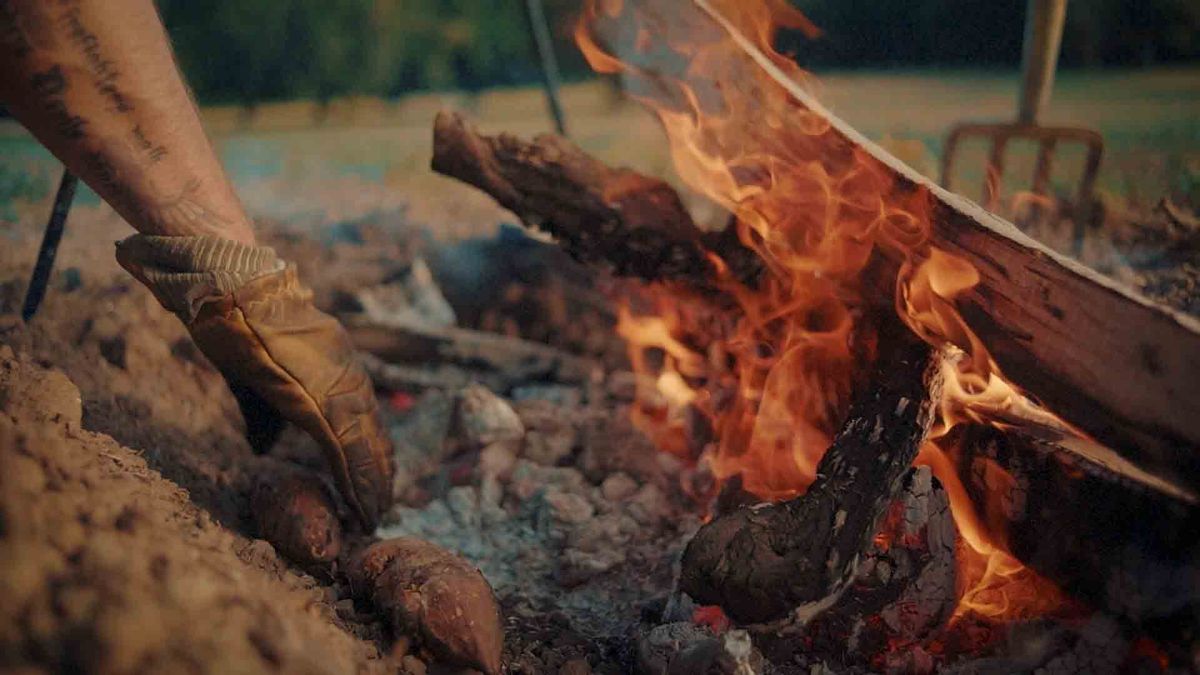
(244, 51)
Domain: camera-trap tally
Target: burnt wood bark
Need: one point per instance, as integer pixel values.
(761, 563)
(1109, 360)
(1115, 543)
(634, 224)
(509, 361)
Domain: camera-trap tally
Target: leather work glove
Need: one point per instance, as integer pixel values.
(248, 313)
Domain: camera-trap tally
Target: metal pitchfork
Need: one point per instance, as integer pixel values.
(1043, 39)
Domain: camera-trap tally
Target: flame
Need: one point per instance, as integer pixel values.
(773, 375)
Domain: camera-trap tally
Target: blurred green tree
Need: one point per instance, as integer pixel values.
(245, 51)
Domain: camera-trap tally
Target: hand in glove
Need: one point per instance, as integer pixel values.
(248, 313)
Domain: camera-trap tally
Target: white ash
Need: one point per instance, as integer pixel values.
(410, 299)
(419, 438)
(589, 547)
(683, 648)
(1097, 647)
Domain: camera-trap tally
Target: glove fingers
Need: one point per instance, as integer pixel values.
(360, 458)
(263, 422)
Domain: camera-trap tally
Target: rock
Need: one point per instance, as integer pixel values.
(685, 649)
(649, 506)
(529, 478)
(577, 567)
(409, 300)
(31, 392)
(485, 418)
(618, 487)
(420, 437)
(463, 502)
(567, 507)
(548, 447)
(497, 461)
(490, 497)
(609, 531)
(622, 385)
(411, 665)
(698, 657)
(661, 645)
(609, 442)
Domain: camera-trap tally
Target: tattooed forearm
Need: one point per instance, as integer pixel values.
(154, 152)
(96, 82)
(103, 70)
(49, 87)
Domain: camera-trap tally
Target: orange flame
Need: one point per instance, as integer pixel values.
(774, 377)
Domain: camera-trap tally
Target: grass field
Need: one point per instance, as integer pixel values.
(311, 167)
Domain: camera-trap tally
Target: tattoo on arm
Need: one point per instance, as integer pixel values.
(182, 213)
(63, 55)
(105, 74)
(49, 87)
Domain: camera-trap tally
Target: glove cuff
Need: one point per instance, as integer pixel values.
(185, 273)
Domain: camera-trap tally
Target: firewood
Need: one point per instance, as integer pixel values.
(633, 224)
(903, 591)
(510, 361)
(1105, 358)
(1109, 360)
(1116, 543)
(762, 563)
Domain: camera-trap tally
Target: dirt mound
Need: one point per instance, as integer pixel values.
(110, 568)
(126, 534)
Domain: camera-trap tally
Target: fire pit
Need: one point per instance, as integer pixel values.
(859, 424)
(853, 320)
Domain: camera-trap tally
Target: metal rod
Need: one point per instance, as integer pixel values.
(1044, 22)
(993, 180)
(545, 49)
(49, 249)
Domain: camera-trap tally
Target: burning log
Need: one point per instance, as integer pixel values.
(761, 563)
(1087, 529)
(1106, 359)
(634, 224)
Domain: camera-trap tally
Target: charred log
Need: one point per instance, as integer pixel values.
(634, 224)
(1129, 383)
(1115, 543)
(495, 358)
(1029, 308)
(761, 563)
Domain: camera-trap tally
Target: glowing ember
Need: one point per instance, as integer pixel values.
(773, 376)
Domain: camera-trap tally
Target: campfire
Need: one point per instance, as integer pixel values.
(919, 441)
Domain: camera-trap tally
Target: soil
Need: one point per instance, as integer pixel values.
(125, 526)
(127, 538)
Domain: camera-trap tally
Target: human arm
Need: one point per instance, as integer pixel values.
(95, 81)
